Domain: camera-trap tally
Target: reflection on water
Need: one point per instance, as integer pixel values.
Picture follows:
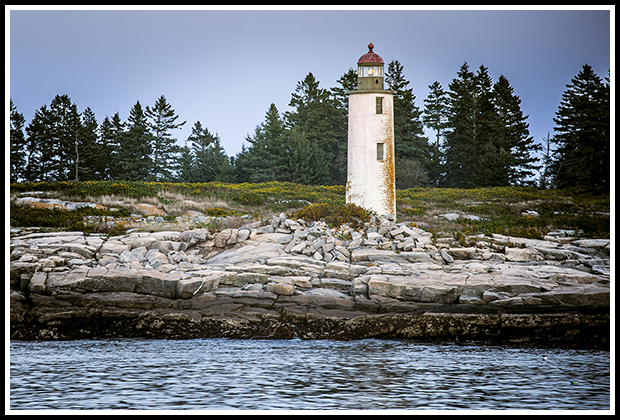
(216, 374)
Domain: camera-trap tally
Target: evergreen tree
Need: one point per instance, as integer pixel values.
(111, 137)
(242, 169)
(38, 135)
(90, 153)
(461, 147)
(300, 160)
(487, 138)
(18, 144)
(185, 165)
(134, 161)
(347, 82)
(545, 177)
(65, 127)
(435, 117)
(582, 134)
(513, 145)
(266, 152)
(210, 160)
(410, 144)
(312, 118)
(162, 120)
(51, 143)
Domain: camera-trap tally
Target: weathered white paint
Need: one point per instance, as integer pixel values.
(370, 183)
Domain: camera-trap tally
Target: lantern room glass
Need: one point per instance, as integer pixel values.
(370, 71)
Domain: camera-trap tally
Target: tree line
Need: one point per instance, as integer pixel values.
(481, 138)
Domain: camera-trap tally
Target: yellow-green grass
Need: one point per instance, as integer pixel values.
(516, 211)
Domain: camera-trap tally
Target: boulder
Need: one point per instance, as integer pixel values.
(195, 236)
(258, 252)
(186, 288)
(280, 287)
(113, 247)
(415, 289)
(523, 254)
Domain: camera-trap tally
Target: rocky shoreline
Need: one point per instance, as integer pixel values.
(293, 279)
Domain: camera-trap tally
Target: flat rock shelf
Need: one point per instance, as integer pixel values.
(293, 279)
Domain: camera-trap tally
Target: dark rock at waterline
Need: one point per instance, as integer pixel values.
(307, 283)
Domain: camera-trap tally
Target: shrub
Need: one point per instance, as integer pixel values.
(217, 212)
(23, 216)
(335, 214)
(248, 197)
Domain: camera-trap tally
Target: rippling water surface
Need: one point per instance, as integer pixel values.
(218, 374)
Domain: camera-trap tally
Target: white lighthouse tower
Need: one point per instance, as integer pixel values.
(370, 159)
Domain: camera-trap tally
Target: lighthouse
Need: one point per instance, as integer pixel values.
(370, 156)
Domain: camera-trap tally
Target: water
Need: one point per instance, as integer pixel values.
(221, 374)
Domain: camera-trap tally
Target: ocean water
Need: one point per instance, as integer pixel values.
(226, 374)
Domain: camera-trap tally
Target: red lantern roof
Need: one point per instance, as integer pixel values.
(370, 57)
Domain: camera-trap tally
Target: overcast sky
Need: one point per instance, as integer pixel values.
(225, 67)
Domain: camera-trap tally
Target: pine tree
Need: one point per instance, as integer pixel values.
(435, 117)
(410, 144)
(583, 133)
(18, 145)
(164, 148)
(134, 161)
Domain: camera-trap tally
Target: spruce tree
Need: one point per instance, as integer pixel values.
(347, 82)
(582, 133)
(410, 144)
(265, 156)
(210, 162)
(312, 118)
(38, 135)
(134, 157)
(300, 160)
(492, 160)
(514, 147)
(242, 168)
(462, 148)
(65, 128)
(90, 153)
(185, 165)
(111, 137)
(18, 144)
(51, 141)
(162, 120)
(435, 117)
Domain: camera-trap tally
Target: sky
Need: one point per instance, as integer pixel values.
(225, 67)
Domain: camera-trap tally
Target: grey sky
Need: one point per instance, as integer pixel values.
(224, 68)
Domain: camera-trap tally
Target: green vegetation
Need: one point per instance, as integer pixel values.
(61, 219)
(481, 139)
(514, 211)
(335, 214)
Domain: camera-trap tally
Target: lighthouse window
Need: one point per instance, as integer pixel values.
(379, 105)
(380, 151)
